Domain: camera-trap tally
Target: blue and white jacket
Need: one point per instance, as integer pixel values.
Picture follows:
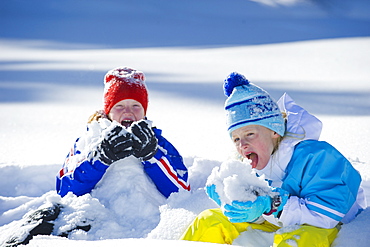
(81, 171)
(323, 185)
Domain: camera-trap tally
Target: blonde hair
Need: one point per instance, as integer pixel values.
(289, 134)
(96, 116)
(280, 138)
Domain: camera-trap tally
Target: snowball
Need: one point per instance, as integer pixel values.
(237, 181)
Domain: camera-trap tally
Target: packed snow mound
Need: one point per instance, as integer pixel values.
(124, 204)
(237, 181)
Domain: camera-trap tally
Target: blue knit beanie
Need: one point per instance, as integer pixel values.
(248, 104)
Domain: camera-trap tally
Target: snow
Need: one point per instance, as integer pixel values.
(55, 54)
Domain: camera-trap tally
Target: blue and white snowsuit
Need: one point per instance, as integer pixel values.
(324, 187)
(81, 171)
(324, 190)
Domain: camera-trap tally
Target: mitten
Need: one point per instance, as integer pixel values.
(211, 192)
(117, 145)
(145, 143)
(248, 211)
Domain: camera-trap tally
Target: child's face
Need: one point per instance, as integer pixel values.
(126, 112)
(256, 143)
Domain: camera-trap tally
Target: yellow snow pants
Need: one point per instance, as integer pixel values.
(214, 227)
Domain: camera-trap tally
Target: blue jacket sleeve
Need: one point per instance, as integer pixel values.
(320, 174)
(166, 169)
(82, 178)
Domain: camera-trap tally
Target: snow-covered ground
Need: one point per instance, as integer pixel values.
(54, 54)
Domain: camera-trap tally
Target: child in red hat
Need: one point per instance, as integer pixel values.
(120, 157)
(124, 131)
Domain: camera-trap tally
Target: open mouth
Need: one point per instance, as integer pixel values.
(126, 123)
(254, 158)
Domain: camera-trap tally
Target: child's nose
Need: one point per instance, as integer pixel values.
(126, 109)
(243, 143)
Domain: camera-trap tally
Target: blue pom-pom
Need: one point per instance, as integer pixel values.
(233, 80)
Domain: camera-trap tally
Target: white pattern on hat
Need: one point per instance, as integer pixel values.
(248, 104)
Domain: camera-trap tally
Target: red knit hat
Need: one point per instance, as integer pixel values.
(124, 83)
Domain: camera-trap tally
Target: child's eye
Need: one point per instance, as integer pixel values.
(236, 139)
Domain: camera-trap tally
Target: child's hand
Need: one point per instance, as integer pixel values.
(145, 143)
(248, 211)
(117, 145)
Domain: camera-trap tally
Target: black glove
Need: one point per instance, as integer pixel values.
(117, 145)
(145, 143)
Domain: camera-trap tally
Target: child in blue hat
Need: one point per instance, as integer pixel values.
(315, 188)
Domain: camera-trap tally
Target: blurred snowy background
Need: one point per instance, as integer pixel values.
(54, 54)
